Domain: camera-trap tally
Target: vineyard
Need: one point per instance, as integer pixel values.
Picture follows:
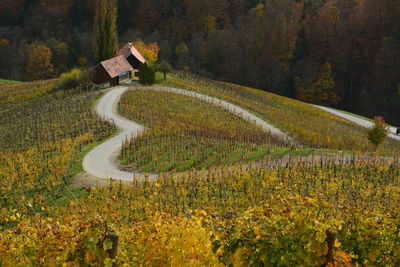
(176, 141)
(233, 202)
(40, 131)
(277, 215)
(301, 121)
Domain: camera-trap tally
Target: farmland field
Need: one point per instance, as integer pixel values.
(312, 209)
(176, 141)
(228, 216)
(197, 133)
(299, 120)
(40, 130)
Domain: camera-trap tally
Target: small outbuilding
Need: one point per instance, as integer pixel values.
(112, 71)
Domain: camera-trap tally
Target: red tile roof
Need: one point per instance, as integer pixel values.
(128, 50)
(116, 65)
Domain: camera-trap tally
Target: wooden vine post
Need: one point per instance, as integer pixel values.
(114, 237)
(330, 239)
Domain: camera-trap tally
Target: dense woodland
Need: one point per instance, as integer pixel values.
(344, 53)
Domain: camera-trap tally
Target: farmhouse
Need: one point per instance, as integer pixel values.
(112, 71)
(132, 55)
(124, 66)
(134, 58)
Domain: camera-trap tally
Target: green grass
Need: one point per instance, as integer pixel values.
(68, 192)
(280, 153)
(62, 197)
(186, 166)
(94, 104)
(160, 77)
(353, 114)
(5, 82)
(235, 157)
(148, 167)
(303, 152)
(210, 162)
(259, 154)
(167, 166)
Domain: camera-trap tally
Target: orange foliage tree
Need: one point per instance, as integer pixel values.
(39, 62)
(149, 51)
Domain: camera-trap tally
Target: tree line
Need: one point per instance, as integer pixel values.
(343, 53)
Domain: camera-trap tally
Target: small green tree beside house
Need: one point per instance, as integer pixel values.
(147, 74)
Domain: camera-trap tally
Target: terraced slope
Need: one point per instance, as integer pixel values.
(305, 123)
(40, 131)
(184, 132)
(187, 132)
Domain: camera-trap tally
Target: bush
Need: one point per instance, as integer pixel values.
(378, 133)
(70, 79)
(147, 74)
(206, 74)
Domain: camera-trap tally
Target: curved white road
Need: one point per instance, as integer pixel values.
(360, 121)
(99, 162)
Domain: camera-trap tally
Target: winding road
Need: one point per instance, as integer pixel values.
(99, 162)
(360, 121)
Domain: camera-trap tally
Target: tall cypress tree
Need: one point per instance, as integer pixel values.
(105, 29)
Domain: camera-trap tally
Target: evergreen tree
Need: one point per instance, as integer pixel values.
(105, 29)
(147, 74)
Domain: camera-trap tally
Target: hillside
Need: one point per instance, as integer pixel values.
(274, 212)
(7, 82)
(288, 46)
(177, 141)
(303, 122)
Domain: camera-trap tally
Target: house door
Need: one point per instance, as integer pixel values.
(124, 76)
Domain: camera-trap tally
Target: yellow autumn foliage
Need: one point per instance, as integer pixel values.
(308, 125)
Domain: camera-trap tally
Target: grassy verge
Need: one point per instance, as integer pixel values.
(68, 192)
(304, 152)
(94, 104)
(4, 82)
(280, 153)
(352, 114)
(160, 77)
(259, 154)
(358, 116)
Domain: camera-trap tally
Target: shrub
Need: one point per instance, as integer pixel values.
(70, 79)
(378, 133)
(147, 74)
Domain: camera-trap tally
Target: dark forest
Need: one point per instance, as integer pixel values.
(341, 53)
